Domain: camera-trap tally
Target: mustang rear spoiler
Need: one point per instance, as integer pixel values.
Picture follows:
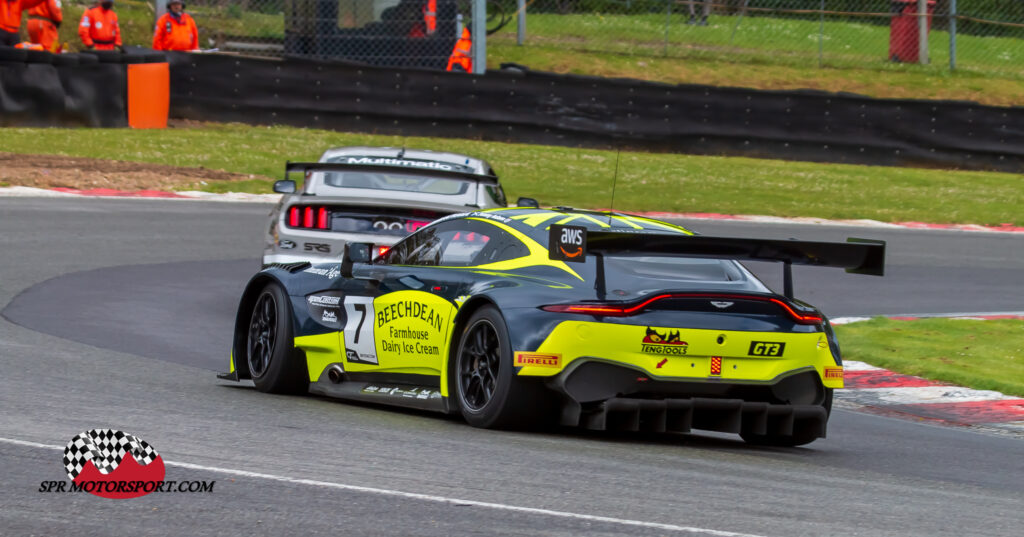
(858, 256)
(303, 167)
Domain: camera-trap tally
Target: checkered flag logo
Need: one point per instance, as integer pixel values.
(106, 448)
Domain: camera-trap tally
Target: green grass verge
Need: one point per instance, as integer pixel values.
(765, 53)
(986, 355)
(580, 177)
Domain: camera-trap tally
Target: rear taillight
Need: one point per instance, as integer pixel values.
(381, 250)
(633, 308)
(309, 217)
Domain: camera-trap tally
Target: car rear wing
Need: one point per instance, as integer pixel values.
(307, 167)
(858, 256)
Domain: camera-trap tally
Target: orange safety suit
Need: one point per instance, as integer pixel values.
(99, 29)
(42, 24)
(10, 13)
(460, 60)
(430, 16)
(175, 33)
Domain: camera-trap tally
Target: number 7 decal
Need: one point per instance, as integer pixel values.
(359, 344)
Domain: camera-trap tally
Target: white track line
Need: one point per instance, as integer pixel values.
(426, 497)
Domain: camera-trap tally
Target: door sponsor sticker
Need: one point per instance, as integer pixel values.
(325, 307)
(766, 348)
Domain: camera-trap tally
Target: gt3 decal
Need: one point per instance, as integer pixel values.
(668, 343)
(766, 348)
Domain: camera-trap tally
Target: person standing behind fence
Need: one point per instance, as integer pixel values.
(461, 59)
(176, 30)
(10, 19)
(693, 13)
(99, 29)
(43, 21)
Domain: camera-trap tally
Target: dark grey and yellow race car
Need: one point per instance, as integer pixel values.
(521, 316)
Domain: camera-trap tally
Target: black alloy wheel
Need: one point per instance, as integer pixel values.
(484, 381)
(262, 334)
(479, 365)
(275, 365)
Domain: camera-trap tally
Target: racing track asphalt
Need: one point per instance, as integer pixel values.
(173, 270)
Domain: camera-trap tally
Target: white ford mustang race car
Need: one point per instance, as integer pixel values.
(372, 194)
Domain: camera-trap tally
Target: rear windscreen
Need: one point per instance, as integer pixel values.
(643, 271)
(396, 180)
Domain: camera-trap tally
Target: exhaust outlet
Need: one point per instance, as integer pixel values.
(335, 374)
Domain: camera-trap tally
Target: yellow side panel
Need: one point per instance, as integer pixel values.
(231, 363)
(686, 353)
(322, 350)
(409, 334)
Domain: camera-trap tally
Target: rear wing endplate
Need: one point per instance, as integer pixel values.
(304, 167)
(858, 256)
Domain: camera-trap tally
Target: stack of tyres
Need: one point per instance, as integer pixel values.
(31, 94)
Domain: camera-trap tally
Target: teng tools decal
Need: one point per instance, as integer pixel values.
(663, 343)
(114, 464)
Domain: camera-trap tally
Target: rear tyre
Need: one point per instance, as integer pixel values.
(792, 440)
(274, 364)
(489, 394)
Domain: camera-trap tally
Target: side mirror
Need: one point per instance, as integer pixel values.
(355, 252)
(527, 202)
(285, 186)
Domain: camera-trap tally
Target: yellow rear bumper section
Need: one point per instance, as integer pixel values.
(688, 354)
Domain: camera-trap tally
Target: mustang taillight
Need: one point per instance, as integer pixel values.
(309, 217)
(625, 310)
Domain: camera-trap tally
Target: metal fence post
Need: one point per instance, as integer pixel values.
(922, 31)
(668, 19)
(821, 33)
(520, 21)
(952, 35)
(161, 8)
(479, 31)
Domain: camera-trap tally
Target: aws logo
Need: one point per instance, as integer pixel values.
(568, 243)
(669, 343)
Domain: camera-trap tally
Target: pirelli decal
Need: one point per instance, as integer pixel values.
(834, 373)
(533, 359)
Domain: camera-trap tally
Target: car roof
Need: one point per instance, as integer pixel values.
(535, 222)
(382, 156)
